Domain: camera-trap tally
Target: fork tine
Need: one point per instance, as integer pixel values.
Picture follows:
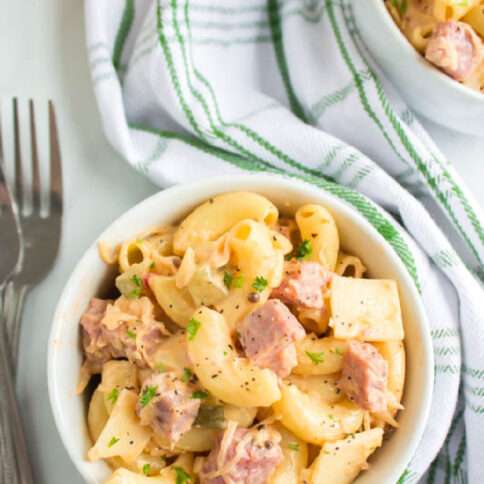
(55, 161)
(19, 193)
(35, 160)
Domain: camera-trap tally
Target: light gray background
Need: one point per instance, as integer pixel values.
(42, 52)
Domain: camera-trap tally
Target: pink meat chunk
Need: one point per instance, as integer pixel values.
(268, 335)
(166, 404)
(455, 48)
(303, 284)
(102, 344)
(96, 349)
(259, 453)
(364, 376)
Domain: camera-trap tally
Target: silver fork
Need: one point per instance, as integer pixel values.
(14, 460)
(41, 234)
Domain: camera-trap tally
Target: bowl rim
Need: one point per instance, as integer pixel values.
(221, 184)
(410, 50)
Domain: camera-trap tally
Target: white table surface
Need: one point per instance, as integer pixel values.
(43, 55)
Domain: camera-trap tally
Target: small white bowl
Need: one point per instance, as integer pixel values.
(91, 277)
(425, 88)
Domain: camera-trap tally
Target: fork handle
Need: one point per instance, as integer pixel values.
(13, 446)
(15, 297)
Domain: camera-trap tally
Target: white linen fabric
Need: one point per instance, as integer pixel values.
(195, 88)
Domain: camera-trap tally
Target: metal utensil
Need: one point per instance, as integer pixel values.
(15, 465)
(41, 233)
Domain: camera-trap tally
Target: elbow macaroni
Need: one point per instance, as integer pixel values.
(317, 225)
(194, 284)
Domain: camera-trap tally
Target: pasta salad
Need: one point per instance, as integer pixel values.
(239, 347)
(449, 33)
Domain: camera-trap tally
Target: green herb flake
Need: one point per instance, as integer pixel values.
(152, 265)
(226, 353)
(304, 250)
(228, 278)
(192, 328)
(200, 395)
(160, 367)
(260, 283)
(233, 281)
(146, 469)
(336, 351)
(316, 358)
(187, 374)
(131, 334)
(238, 282)
(136, 280)
(182, 477)
(148, 394)
(113, 395)
(293, 446)
(113, 441)
(135, 293)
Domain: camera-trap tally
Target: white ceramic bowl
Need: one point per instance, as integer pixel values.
(426, 89)
(91, 277)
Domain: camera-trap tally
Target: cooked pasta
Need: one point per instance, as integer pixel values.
(449, 33)
(241, 345)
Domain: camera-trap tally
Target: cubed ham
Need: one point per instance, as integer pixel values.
(364, 376)
(124, 329)
(242, 456)
(166, 404)
(455, 48)
(96, 349)
(303, 284)
(268, 335)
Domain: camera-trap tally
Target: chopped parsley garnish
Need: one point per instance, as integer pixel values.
(260, 283)
(304, 250)
(228, 278)
(136, 281)
(113, 395)
(152, 265)
(146, 469)
(400, 5)
(136, 292)
(293, 446)
(160, 367)
(182, 477)
(316, 358)
(187, 374)
(113, 441)
(200, 394)
(233, 281)
(192, 328)
(336, 351)
(131, 334)
(148, 394)
(238, 282)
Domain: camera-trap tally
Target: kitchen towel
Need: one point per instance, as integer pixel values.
(195, 88)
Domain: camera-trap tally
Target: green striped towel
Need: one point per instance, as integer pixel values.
(193, 88)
